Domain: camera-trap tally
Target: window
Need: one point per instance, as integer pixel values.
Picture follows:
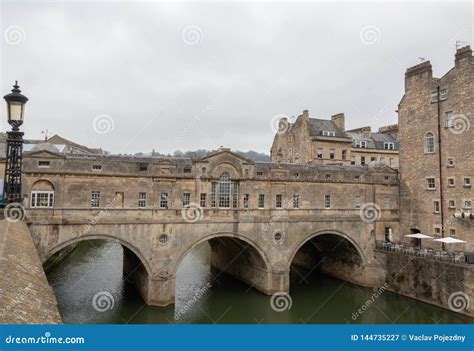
(332, 154)
(389, 146)
(386, 177)
(450, 162)
(235, 195)
(327, 201)
(327, 176)
(344, 154)
(96, 167)
(467, 204)
(430, 183)
(434, 96)
(437, 231)
(163, 239)
(357, 201)
(187, 169)
(43, 164)
(436, 206)
(213, 194)
(320, 153)
(452, 204)
(353, 160)
(362, 144)
(429, 143)
(362, 160)
(467, 182)
(449, 119)
(202, 200)
(451, 182)
(186, 199)
(327, 133)
(246, 200)
(260, 173)
(382, 159)
(164, 200)
(452, 232)
(391, 162)
(42, 199)
(261, 200)
(388, 234)
(443, 94)
(224, 190)
(143, 167)
(296, 200)
(95, 199)
(357, 177)
(278, 201)
(141, 200)
(373, 159)
(386, 202)
(296, 175)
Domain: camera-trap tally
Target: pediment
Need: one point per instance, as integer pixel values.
(43, 154)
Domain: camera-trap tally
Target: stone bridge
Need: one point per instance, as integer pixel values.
(256, 246)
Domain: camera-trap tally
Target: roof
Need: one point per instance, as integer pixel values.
(320, 125)
(374, 140)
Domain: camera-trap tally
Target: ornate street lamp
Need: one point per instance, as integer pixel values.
(15, 111)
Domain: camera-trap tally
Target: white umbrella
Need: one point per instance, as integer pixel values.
(449, 240)
(419, 236)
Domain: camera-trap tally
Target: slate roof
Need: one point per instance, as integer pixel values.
(320, 125)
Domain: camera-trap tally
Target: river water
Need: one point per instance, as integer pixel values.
(94, 268)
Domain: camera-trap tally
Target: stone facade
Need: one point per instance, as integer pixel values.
(436, 146)
(318, 141)
(256, 219)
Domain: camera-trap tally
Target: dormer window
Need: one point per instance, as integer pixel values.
(328, 133)
(96, 167)
(259, 173)
(362, 144)
(389, 146)
(43, 164)
(187, 170)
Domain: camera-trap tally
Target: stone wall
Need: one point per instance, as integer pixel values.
(25, 295)
(429, 280)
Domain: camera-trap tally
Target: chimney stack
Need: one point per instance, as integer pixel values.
(420, 71)
(463, 54)
(339, 120)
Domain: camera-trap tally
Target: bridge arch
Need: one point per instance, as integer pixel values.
(251, 244)
(136, 251)
(343, 235)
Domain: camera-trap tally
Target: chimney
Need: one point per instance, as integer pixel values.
(463, 55)
(305, 113)
(339, 121)
(420, 71)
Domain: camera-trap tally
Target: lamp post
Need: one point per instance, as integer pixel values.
(15, 111)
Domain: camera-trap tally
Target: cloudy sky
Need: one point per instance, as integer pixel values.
(133, 77)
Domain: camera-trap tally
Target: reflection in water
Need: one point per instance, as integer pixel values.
(96, 266)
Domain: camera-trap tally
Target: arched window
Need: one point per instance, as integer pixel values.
(42, 194)
(429, 143)
(224, 190)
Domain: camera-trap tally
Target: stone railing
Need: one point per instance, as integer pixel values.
(458, 257)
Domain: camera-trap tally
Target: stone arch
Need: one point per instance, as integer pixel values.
(232, 168)
(43, 184)
(325, 232)
(50, 252)
(211, 236)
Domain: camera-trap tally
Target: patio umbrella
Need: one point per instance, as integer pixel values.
(449, 240)
(419, 236)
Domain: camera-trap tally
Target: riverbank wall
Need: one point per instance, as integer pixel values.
(444, 284)
(25, 294)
